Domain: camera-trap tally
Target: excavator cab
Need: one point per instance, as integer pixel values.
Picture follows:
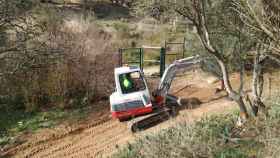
(131, 82)
(131, 97)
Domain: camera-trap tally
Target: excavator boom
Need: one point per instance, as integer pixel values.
(171, 71)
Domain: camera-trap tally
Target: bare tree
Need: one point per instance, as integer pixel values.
(262, 18)
(194, 10)
(257, 82)
(263, 21)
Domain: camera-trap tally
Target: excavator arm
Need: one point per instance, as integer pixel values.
(170, 73)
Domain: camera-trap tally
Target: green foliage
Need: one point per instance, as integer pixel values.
(215, 136)
(184, 140)
(212, 127)
(231, 153)
(226, 31)
(275, 112)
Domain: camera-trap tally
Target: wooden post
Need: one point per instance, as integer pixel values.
(162, 61)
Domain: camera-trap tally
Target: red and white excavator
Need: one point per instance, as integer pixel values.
(132, 99)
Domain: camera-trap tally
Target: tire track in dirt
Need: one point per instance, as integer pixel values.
(88, 133)
(101, 140)
(101, 145)
(38, 144)
(93, 142)
(90, 142)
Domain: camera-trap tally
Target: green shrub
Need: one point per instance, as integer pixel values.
(184, 140)
(215, 136)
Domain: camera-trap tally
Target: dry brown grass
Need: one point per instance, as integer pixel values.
(78, 72)
(88, 59)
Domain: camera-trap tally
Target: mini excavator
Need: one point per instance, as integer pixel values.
(133, 102)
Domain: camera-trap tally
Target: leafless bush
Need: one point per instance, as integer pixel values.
(86, 68)
(74, 67)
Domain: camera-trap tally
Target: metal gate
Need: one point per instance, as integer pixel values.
(172, 55)
(135, 57)
(131, 56)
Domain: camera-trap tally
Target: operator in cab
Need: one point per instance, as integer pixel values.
(126, 83)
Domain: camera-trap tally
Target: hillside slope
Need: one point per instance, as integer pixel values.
(100, 136)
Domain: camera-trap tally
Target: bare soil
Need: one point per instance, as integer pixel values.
(100, 136)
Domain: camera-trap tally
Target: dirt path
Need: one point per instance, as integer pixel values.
(101, 137)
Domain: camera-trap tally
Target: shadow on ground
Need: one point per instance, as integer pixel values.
(161, 115)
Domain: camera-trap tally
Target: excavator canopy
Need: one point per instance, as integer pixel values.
(131, 82)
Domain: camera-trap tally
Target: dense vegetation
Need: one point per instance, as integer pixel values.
(57, 57)
(50, 66)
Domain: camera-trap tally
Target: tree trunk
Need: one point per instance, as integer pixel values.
(257, 86)
(237, 97)
(231, 93)
(85, 13)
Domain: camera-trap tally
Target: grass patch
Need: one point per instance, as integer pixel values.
(16, 122)
(215, 136)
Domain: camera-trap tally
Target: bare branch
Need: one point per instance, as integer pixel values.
(277, 60)
(261, 25)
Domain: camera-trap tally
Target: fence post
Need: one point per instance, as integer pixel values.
(141, 58)
(162, 61)
(184, 47)
(120, 57)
